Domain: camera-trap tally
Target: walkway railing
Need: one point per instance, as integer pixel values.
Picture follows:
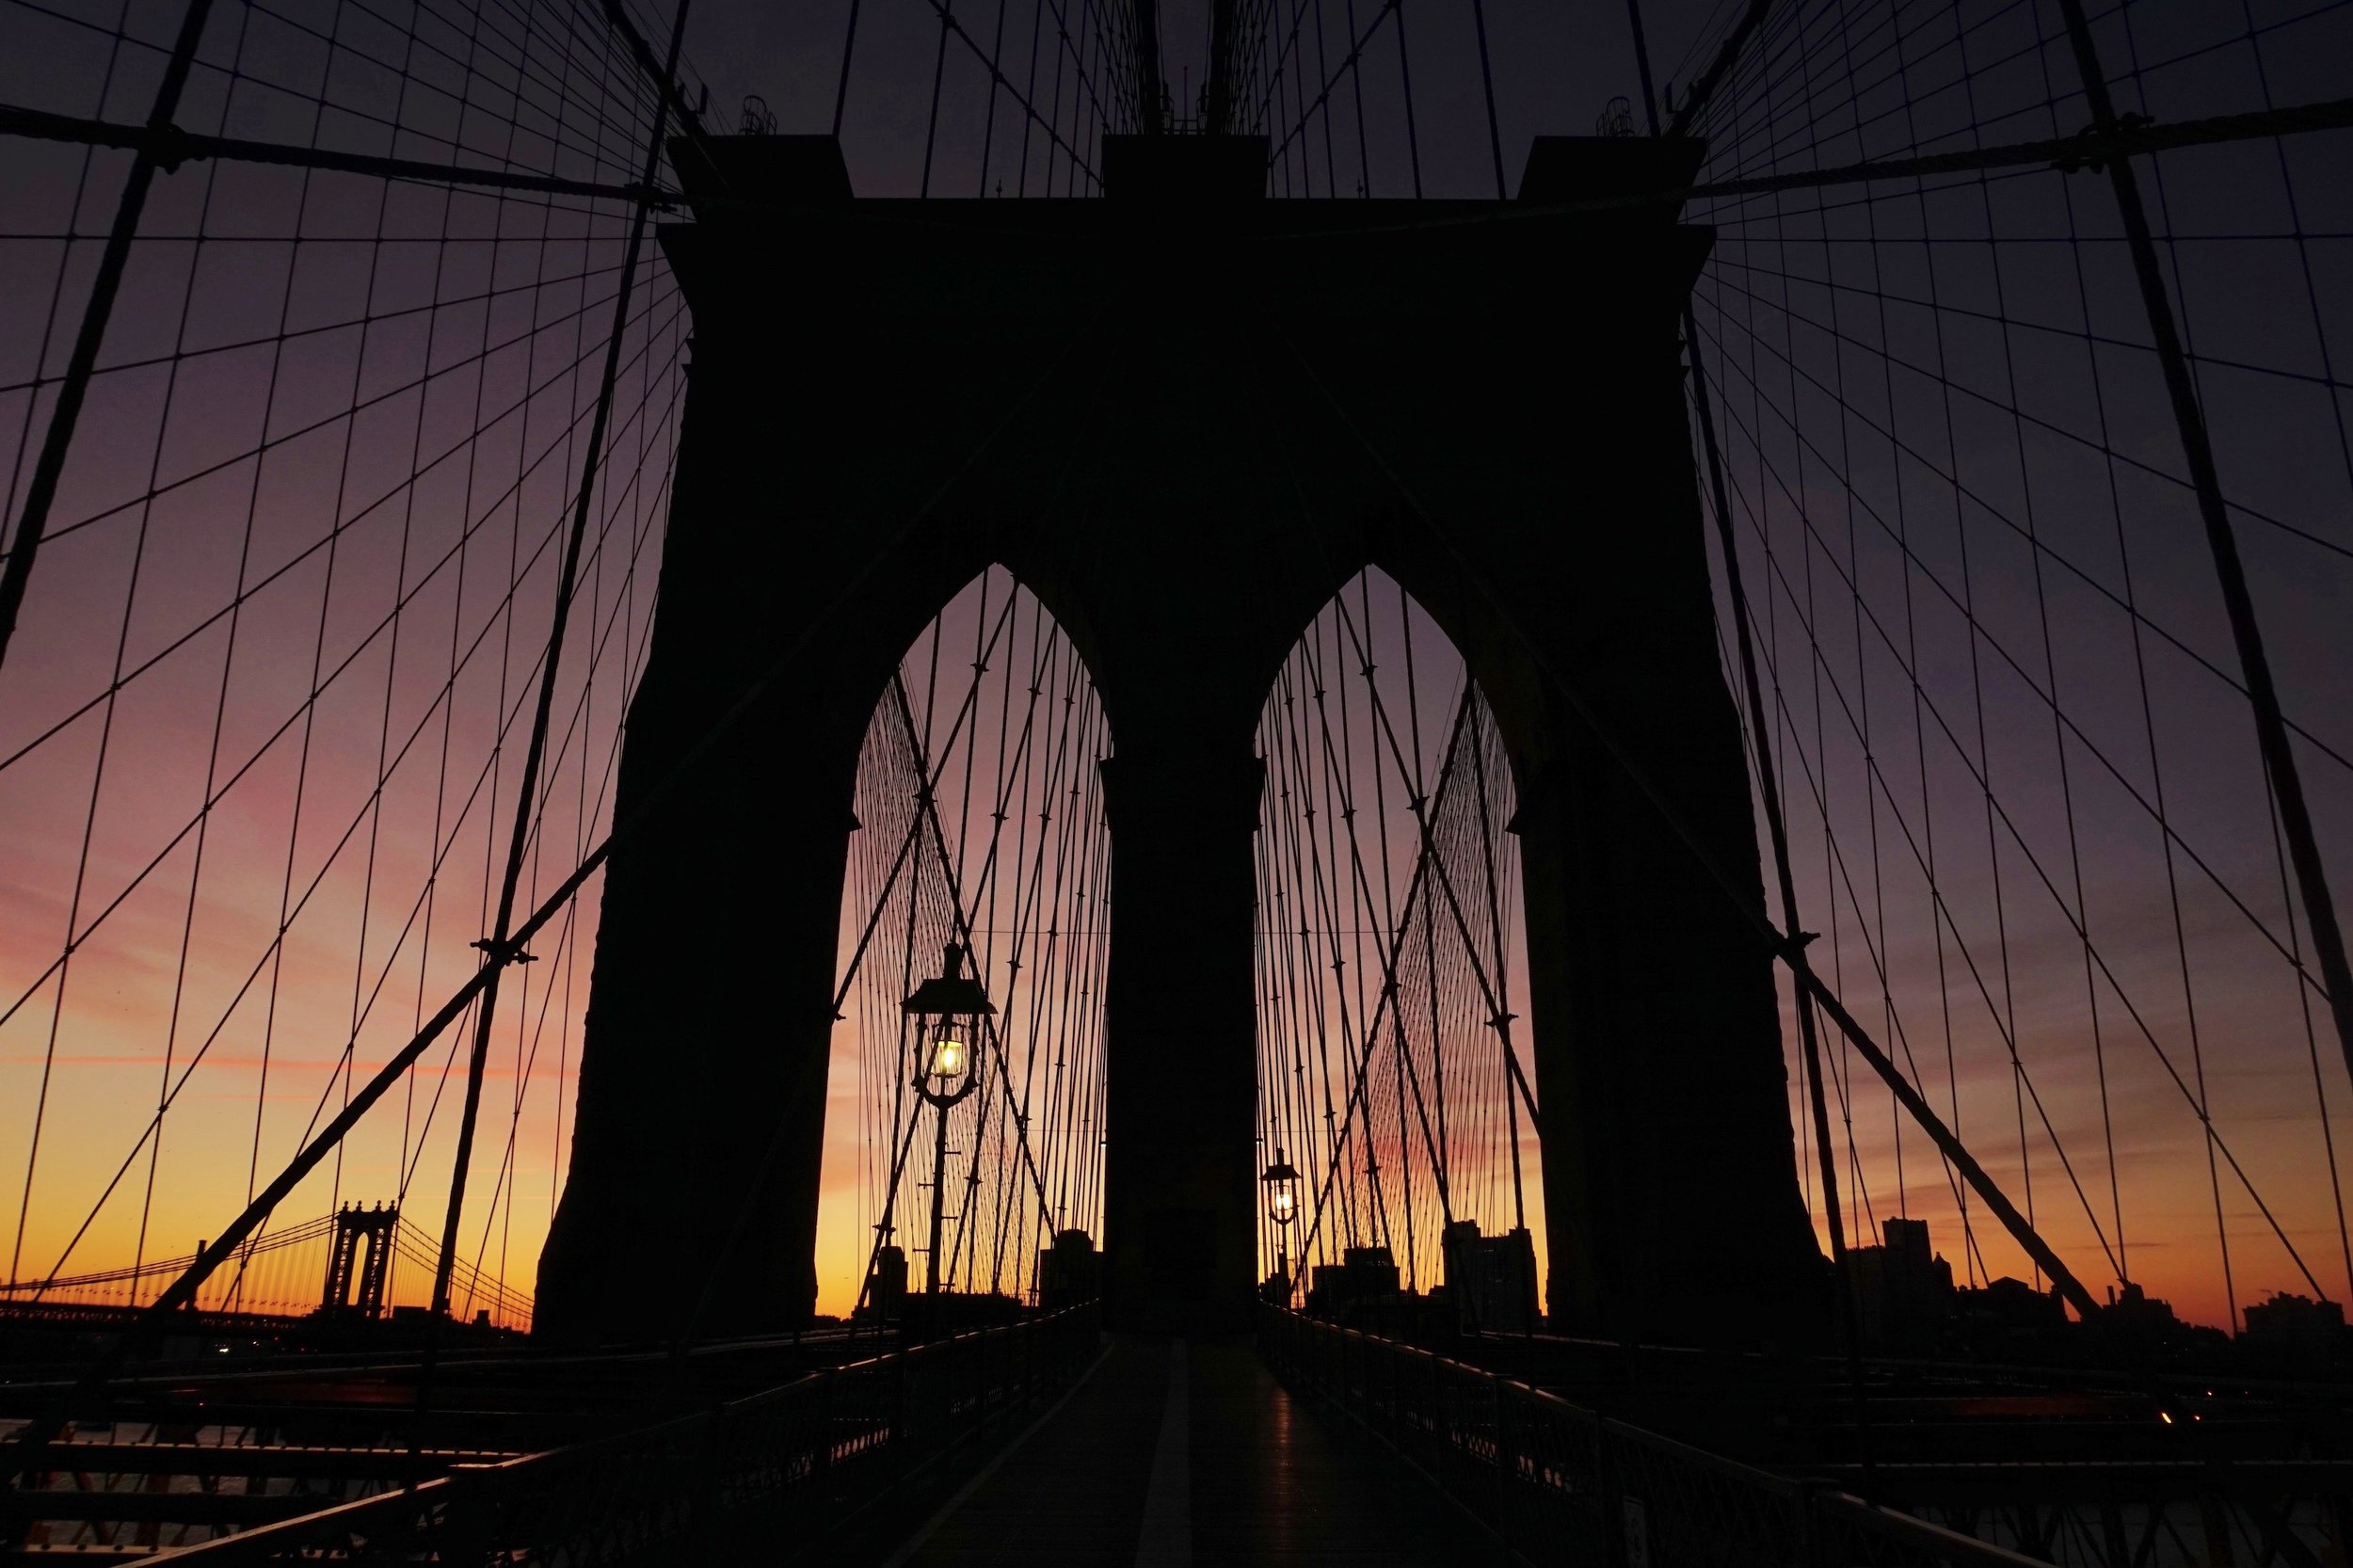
(774, 1467)
(1556, 1483)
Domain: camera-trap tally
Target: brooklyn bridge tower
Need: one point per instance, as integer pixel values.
(1182, 417)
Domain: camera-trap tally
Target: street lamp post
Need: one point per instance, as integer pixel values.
(947, 1012)
(1282, 1206)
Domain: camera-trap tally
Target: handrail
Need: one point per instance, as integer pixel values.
(1555, 1482)
(780, 1465)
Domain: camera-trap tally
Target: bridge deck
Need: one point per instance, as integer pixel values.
(1170, 1454)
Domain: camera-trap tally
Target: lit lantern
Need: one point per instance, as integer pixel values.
(1282, 1191)
(947, 1010)
(949, 1060)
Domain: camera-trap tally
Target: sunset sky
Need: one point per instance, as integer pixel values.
(260, 725)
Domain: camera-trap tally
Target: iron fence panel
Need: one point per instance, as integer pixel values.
(771, 1467)
(1555, 1482)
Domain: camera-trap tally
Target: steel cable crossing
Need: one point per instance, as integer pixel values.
(1387, 1064)
(1888, 372)
(1914, 422)
(462, 411)
(981, 824)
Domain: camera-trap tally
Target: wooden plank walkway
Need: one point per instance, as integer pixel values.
(1172, 1454)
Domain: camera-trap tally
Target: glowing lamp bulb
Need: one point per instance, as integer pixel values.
(1282, 1191)
(948, 1057)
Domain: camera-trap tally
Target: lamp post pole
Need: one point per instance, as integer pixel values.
(940, 1187)
(1282, 1206)
(948, 1010)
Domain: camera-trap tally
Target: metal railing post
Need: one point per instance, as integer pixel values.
(821, 1455)
(1507, 1468)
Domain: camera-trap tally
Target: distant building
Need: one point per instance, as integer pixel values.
(1491, 1279)
(887, 1286)
(1069, 1272)
(1903, 1292)
(1906, 1300)
(2007, 1308)
(2140, 1319)
(2136, 1310)
(1363, 1277)
(2295, 1326)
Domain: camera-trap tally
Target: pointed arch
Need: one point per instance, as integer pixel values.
(726, 1028)
(979, 805)
(1390, 955)
(1644, 1011)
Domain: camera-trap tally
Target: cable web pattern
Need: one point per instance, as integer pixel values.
(1389, 949)
(270, 703)
(2002, 420)
(2028, 808)
(980, 806)
(338, 380)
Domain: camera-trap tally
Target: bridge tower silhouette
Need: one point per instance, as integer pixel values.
(1904, 451)
(1184, 417)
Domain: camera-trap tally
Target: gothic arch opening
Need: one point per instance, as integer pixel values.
(1403, 1169)
(979, 823)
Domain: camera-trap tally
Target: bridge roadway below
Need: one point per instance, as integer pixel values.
(1172, 1452)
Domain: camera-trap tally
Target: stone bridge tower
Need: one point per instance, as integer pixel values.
(1183, 416)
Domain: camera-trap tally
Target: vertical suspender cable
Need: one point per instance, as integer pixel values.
(939, 74)
(50, 467)
(1487, 80)
(1405, 81)
(996, 86)
(1500, 1020)
(499, 951)
(2271, 734)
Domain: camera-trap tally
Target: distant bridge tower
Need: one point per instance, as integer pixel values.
(1184, 416)
(361, 1253)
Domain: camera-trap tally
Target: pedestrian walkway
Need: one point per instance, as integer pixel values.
(1173, 1453)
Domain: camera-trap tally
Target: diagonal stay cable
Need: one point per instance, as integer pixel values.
(1721, 265)
(1350, 63)
(49, 467)
(949, 23)
(1416, 888)
(349, 662)
(1423, 809)
(927, 811)
(535, 747)
(31, 1442)
(2018, 669)
(2090, 949)
(465, 444)
(1324, 859)
(1789, 948)
(1423, 812)
(229, 1008)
